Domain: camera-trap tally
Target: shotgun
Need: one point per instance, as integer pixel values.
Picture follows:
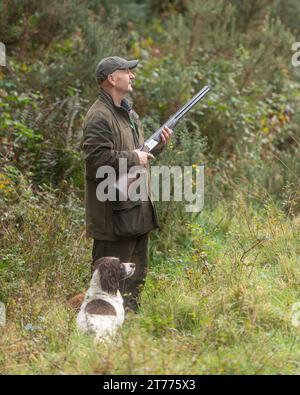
(154, 140)
(124, 181)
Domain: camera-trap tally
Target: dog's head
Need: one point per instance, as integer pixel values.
(112, 271)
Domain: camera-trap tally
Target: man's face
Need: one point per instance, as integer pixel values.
(123, 80)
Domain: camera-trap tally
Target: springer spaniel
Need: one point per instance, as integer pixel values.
(102, 310)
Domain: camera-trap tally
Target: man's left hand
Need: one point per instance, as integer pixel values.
(166, 134)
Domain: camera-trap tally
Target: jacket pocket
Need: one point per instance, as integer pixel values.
(128, 219)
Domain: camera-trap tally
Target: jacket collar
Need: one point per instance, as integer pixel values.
(108, 99)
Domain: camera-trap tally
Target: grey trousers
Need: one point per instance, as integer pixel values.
(129, 249)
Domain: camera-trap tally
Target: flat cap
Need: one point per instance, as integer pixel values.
(108, 65)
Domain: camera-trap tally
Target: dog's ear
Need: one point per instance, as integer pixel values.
(95, 265)
(110, 273)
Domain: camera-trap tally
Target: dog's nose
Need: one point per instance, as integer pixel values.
(132, 265)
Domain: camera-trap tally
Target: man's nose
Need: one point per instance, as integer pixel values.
(131, 75)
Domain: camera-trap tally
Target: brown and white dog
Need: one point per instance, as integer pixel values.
(102, 310)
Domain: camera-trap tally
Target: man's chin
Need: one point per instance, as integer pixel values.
(126, 91)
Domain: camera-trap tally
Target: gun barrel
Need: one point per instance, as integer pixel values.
(181, 112)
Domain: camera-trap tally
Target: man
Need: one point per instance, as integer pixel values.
(113, 131)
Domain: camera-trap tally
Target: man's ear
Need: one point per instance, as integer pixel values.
(111, 78)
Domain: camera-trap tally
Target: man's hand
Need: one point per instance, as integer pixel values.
(166, 134)
(165, 137)
(143, 156)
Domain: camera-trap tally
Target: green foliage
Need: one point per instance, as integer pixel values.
(221, 283)
(247, 119)
(289, 11)
(219, 304)
(38, 224)
(41, 141)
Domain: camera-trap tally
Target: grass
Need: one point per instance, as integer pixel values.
(217, 300)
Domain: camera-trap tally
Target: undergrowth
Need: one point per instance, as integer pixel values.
(218, 301)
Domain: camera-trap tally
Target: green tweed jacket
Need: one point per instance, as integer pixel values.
(111, 132)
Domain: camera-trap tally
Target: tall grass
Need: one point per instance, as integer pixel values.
(216, 302)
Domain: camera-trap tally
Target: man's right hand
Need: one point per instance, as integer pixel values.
(143, 156)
